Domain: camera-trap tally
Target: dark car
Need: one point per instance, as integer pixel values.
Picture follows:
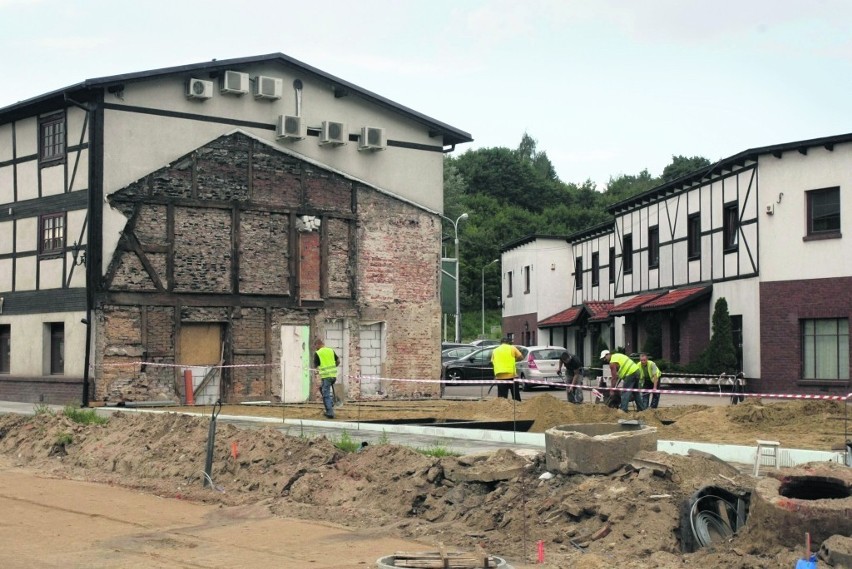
(473, 367)
(457, 352)
(448, 345)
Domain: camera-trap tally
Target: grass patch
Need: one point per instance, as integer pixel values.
(84, 416)
(43, 409)
(384, 439)
(345, 443)
(64, 439)
(436, 450)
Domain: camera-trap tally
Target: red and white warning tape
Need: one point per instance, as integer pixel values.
(595, 391)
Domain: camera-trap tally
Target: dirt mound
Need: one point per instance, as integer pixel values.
(501, 500)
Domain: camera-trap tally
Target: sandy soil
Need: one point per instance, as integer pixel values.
(627, 519)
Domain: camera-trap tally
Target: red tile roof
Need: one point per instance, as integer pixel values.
(564, 318)
(598, 309)
(634, 303)
(677, 297)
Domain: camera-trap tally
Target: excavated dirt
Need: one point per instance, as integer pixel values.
(629, 519)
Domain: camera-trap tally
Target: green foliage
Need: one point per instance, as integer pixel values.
(84, 416)
(384, 439)
(681, 166)
(512, 193)
(652, 322)
(436, 450)
(42, 409)
(601, 346)
(64, 439)
(721, 354)
(345, 442)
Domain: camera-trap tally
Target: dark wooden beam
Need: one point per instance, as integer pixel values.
(803, 150)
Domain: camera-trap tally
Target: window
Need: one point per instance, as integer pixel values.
(51, 138)
(612, 264)
(509, 283)
(654, 246)
(824, 212)
(527, 279)
(693, 236)
(825, 349)
(52, 233)
(57, 348)
(627, 254)
(730, 226)
(596, 269)
(5, 347)
(578, 273)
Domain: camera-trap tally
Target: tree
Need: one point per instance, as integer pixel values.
(681, 166)
(721, 354)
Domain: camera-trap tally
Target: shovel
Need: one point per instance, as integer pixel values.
(810, 561)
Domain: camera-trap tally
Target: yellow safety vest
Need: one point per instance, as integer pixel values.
(327, 368)
(626, 366)
(504, 359)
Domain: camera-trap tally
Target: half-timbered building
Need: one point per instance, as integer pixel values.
(217, 217)
(763, 229)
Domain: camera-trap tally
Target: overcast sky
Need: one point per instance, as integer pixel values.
(607, 87)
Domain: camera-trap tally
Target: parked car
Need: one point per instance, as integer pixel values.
(457, 352)
(474, 366)
(540, 363)
(485, 342)
(448, 345)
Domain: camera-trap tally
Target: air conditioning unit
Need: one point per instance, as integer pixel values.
(199, 89)
(268, 87)
(372, 138)
(234, 82)
(333, 133)
(291, 127)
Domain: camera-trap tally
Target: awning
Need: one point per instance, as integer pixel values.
(677, 298)
(564, 318)
(632, 305)
(596, 310)
(599, 310)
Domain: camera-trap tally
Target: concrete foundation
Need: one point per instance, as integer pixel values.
(596, 448)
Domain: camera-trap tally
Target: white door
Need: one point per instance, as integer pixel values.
(295, 364)
(371, 349)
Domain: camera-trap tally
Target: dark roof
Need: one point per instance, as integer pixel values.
(451, 134)
(677, 298)
(597, 311)
(565, 318)
(634, 303)
(529, 239)
(725, 164)
(594, 231)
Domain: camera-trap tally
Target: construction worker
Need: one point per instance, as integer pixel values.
(650, 379)
(503, 359)
(626, 370)
(573, 366)
(325, 363)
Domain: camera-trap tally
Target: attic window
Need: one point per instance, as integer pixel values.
(51, 138)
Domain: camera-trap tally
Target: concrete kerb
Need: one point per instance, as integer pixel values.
(468, 439)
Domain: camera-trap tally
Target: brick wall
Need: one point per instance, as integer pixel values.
(694, 331)
(515, 325)
(396, 271)
(398, 265)
(782, 307)
(50, 390)
(202, 251)
(264, 261)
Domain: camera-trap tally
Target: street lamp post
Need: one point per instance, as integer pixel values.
(458, 305)
(483, 293)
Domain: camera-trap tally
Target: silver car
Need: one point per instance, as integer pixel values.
(540, 363)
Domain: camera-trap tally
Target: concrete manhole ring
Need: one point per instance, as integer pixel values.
(819, 499)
